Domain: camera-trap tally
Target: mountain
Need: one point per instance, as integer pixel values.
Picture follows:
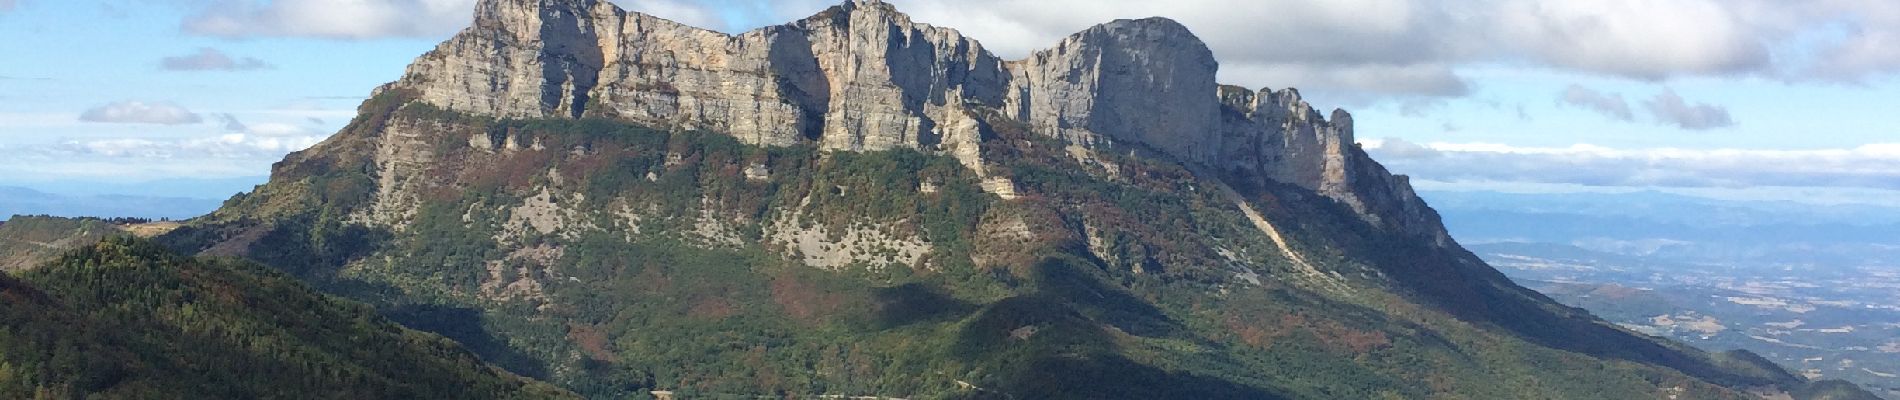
(125, 318)
(864, 77)
(1667, 208)
(24, 201)
(28, 241)
(855, 204)
(190, 188)
(1742, 234)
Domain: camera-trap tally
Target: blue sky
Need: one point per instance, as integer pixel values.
(1747, 98)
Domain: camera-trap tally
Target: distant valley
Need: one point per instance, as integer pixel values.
(1814, 288)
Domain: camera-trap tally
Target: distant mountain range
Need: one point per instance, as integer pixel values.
(24, 201)
(1667, 208)
(1680, 228)
(194, 188)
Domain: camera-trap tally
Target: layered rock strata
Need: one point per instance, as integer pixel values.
(862, 76)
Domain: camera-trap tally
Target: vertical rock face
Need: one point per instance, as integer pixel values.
(892, 83)
(1277, 136)
(670, 74)
(862, 76)
(1147, 81)
(521, 58)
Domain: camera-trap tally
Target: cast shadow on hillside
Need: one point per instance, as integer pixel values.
(464, 325)
(915, 302)
(1057, 342)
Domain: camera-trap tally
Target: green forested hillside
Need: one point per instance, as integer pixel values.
(26, 241)
(127, 319)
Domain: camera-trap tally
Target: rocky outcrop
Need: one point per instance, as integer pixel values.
(1274, 135)
(862, 76)
(1147, 81)
(521, 58)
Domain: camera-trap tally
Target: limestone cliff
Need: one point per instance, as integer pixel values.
(612, 201)
(862, 76)
(1147, 81)
(1274, 135)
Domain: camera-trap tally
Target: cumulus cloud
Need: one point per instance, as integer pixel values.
(1670, 108)
(209, 59)
(279, 130)
(1341, 50)
(1872, 166)
(370, 19)
(1353, 46)
(138, 112)
(1667, 107)
(1400, 149)
(1608, 104)
(1356, 83)
(1642, 39)
(1631, 38)
(332, 19)
(1348, 50)
(1852, 39)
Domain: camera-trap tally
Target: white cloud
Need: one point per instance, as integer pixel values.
(1854, 39)
(332, 19)
(279, 130)
(1350, 50)
(1875, 166)
(1356, 83)
(1669, 108)
(1609, 104)
(371, 19)
(1400, 149)
(224, 146)
(138, 112)
(240, 150)
(1346, 47)
(137, 158)
(209, 59)
(682, 11)
(1644, 39)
